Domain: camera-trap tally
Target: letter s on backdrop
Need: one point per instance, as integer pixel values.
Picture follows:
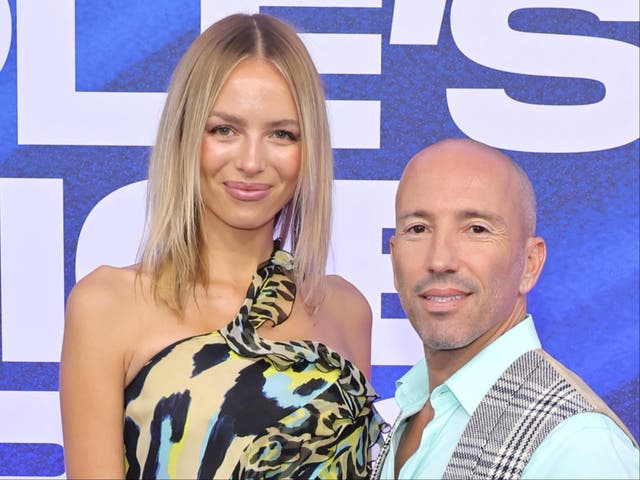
(483, 34)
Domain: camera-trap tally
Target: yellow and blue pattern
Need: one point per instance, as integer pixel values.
(230, 404)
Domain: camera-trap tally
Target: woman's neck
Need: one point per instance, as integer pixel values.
(235, 254)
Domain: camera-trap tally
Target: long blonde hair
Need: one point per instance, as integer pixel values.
(172, 251)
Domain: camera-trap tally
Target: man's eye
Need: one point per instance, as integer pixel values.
(478, 229)
(417, 229)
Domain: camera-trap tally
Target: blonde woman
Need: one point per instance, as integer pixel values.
(221, 355)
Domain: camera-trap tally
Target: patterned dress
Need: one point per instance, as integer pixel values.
(230, 404)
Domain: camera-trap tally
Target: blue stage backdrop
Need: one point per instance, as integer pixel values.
(554, 83)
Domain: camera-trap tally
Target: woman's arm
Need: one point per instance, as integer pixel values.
(354, 313)
(92, 379)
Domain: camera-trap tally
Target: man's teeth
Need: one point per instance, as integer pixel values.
(444, 299)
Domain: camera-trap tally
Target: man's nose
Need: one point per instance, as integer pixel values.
(442, 253)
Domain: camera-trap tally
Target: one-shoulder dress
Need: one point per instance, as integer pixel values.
(230, 404)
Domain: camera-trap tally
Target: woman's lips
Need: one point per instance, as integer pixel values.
(247, 191)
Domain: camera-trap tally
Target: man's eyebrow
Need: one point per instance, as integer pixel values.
(414, 214)
(464, 214)
(483, 214)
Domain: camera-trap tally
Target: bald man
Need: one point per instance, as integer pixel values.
(486, 402)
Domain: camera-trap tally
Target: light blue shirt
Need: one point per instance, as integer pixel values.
(586, 445)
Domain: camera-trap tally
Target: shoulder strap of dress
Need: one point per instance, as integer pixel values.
(273, 291)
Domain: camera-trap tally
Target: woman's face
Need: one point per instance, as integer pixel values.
(251, 149)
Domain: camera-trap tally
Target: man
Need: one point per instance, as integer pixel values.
(486, 402)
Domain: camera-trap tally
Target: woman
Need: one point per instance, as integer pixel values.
(236, 358)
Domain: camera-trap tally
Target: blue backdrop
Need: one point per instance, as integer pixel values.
(556, 88)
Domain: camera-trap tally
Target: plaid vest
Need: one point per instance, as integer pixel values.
(529, 399)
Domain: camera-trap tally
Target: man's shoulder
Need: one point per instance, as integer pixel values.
(542, 413)
(599, 425)
(585, 391)
(574, 380)
(585, 445)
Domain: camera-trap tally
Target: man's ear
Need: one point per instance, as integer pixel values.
(536, 254)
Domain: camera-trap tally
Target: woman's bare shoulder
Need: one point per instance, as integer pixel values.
(351, 316)
(344, 297)
(104, 297)
(104, 285)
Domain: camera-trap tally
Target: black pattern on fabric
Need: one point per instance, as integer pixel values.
(230, 404)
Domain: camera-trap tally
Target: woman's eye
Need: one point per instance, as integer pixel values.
(222, 130)
(284, 135)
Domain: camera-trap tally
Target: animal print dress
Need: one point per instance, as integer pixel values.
(230, 404)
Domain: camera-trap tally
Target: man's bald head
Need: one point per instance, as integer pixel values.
(462, 152)
(464, 249)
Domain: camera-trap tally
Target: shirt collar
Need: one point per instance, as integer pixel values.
(412, 389)
(472, 382)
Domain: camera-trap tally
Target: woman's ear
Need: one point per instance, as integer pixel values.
(536, 254)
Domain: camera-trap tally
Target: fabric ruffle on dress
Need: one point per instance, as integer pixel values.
(230, 404)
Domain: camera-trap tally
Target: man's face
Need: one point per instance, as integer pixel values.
(459, 250)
